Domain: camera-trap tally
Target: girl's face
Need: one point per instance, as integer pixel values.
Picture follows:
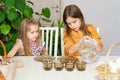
(73, 23)
(32, 34)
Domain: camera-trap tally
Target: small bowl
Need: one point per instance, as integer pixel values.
(69, 65)
(81, 65)
(58, 65)
(47, 65)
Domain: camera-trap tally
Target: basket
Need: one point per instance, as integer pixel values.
(2, 76)
(4, 49)
(103, 70)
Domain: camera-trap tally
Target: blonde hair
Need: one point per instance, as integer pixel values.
(24, 27)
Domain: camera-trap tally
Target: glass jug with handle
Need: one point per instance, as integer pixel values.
(87, 50)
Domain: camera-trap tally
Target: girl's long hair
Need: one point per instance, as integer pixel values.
(74, 12)
(24, 27)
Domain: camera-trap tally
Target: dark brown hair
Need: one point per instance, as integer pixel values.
(75, 12)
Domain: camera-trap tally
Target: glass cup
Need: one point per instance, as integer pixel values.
(69, 65)
(81, 65)
(47, 65)
(58, 65)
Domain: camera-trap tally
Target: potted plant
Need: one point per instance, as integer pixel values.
(12, 12)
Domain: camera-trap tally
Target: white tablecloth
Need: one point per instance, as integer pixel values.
(33, 70)
(8, 70)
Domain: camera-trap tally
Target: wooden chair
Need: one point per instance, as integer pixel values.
(50, 36)
(62, 43)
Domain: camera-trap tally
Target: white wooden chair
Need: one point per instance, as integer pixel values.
(62, 43)
(50, 36)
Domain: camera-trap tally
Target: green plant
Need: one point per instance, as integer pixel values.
(44, 15)
(60, 25)
(12, 12)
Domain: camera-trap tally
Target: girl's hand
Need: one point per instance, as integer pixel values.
(90, 40)
(74, 48)
(94, 42)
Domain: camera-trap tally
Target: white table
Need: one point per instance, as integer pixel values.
(33, 70)
(8, 70)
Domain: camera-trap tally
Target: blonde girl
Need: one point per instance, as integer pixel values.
(29, 41)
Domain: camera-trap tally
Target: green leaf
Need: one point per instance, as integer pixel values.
(2, 16)
(60, 24)
(16, 23)
(46, 12)
(27, 11)
(11, 14)
(5, 29)
(9, 45)
(14, 36)
(1, 51)
(20, 4)
(9, 3)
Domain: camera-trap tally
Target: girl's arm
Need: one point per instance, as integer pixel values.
(97, 46)
(44, 51)
(14, 49)
(93, 42)
(74, 48)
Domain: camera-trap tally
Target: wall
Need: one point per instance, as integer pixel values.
(104, 14)
(54, 8)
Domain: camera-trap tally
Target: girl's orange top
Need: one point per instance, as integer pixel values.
(76, 36)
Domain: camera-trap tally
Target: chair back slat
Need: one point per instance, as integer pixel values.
(50, 37)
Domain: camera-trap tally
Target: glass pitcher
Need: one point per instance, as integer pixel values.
(87, 50)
